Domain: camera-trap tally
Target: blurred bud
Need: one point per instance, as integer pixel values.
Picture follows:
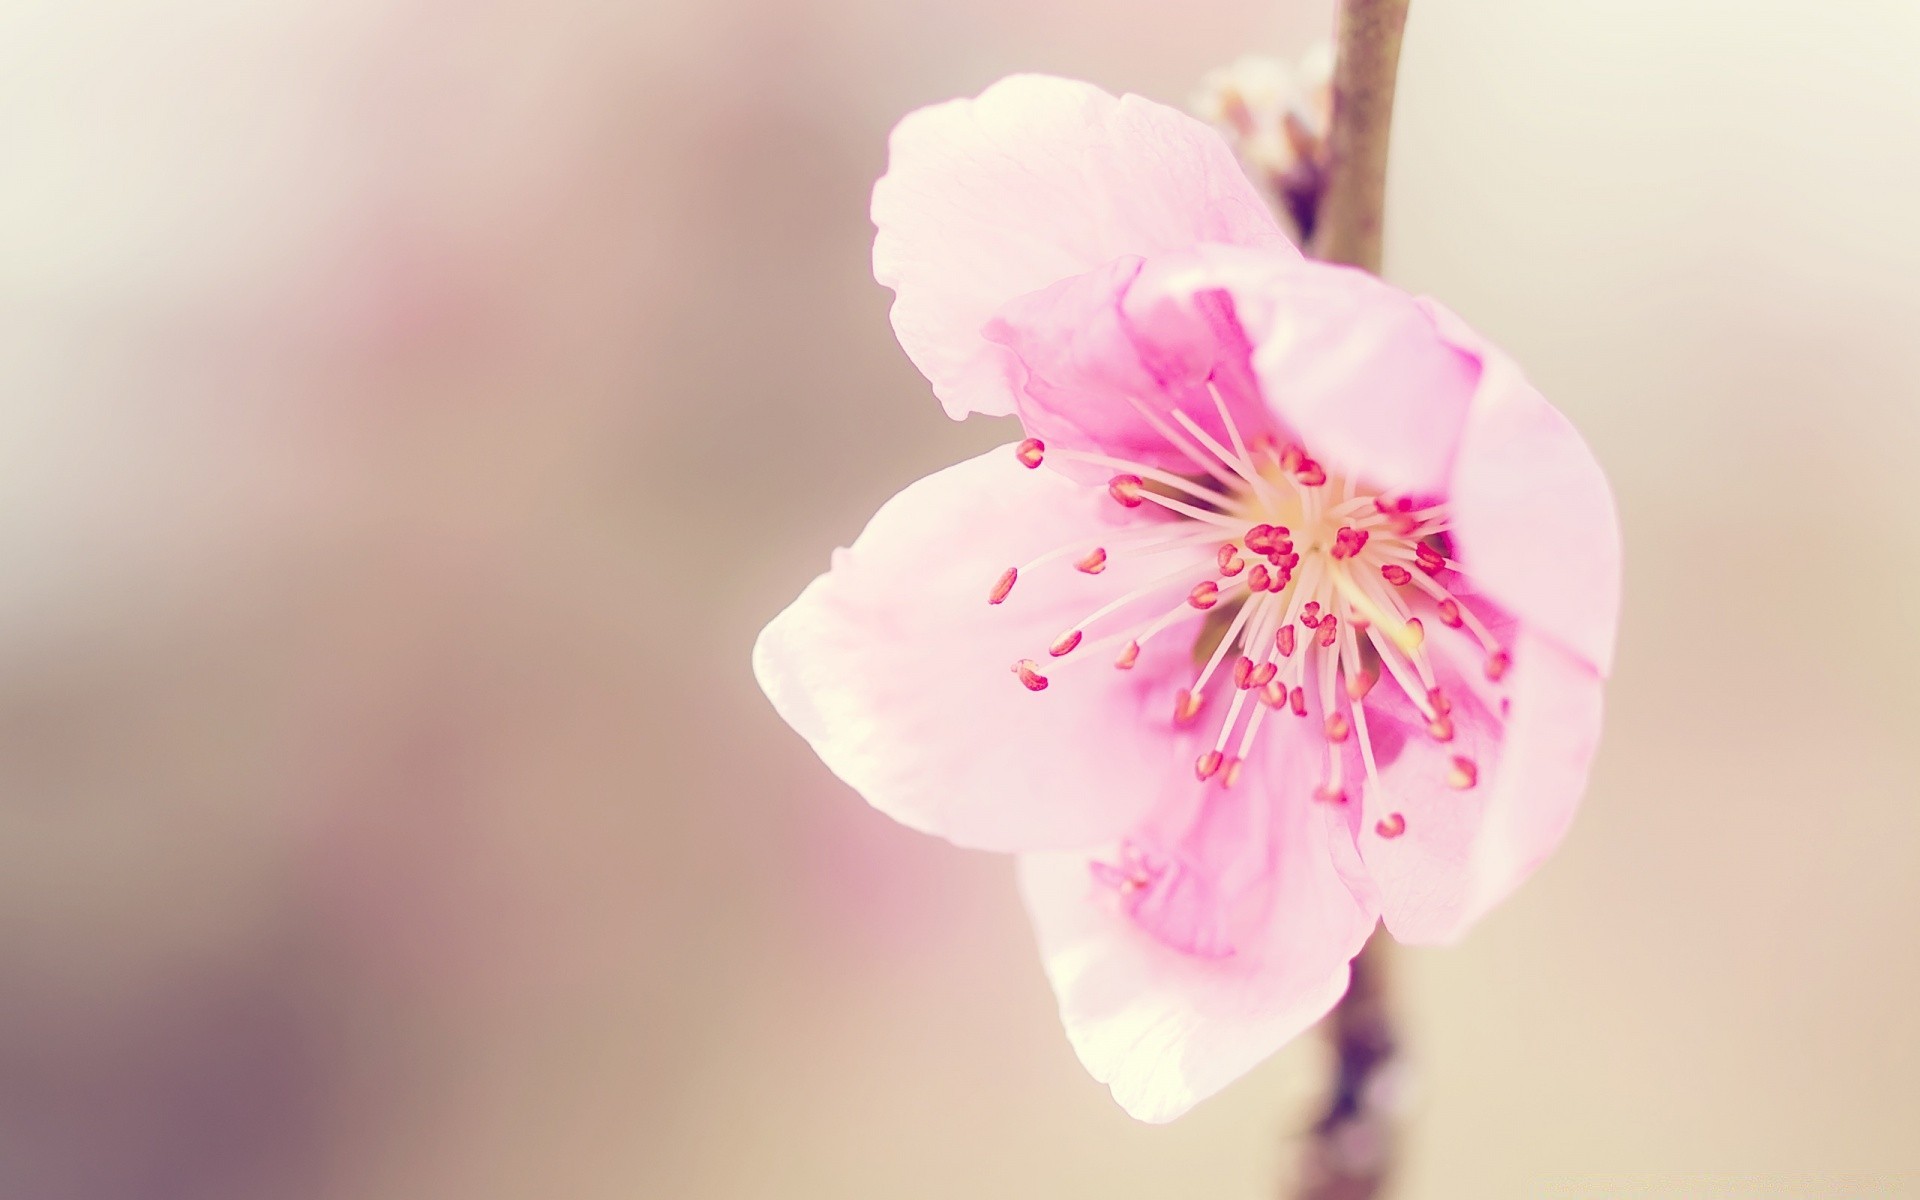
(1275, 114)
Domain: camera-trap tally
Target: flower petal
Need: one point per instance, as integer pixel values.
(1035, 180)
(1166, 1029)
(1357, 368)
(1533, 517)
(1463, 850)
(897, 669)
(1107, 359)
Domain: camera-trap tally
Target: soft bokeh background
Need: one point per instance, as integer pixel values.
(410, 411)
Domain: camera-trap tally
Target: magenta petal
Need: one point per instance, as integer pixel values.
(1462, 851)
(1166, 1028)
(1035, 180)
(897, 669)
(1533, 517)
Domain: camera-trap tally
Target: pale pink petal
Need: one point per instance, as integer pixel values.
(1460, 851)
(1358, 369)
(1035, 180)
(1166, 1028)
(1108, 358)
(897, 669)
(1533, 517)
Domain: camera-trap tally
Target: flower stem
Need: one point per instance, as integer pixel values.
(1350, 1152)
(1348, 224)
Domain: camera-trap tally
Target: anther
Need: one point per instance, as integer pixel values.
(1259, 579)
(1283, 641)
(1094, 563)
(1126, 489)
(1207, 764)
(1311, 474)
(1360, 683)
(1390, 826)
(1029, 673)
(1274, 695)
(1464, 773)
(1414, 634)
(1327, 794)
(1186, 706)
(1428, 558)
(1450, 614)
(1310, 614)
(1441, 728)
(1129, 655)
(1243, 673)
(1262, 539)
(1031, 453)
(1437, 700)
(1298, 702)
(1338, 727)
(1003, 585)
(1498, 664)
(1397, 575)
(1228, 557)
(1064, 644)
(1348, 542)
(1329, 629)
(1230, 773)
(1263, 674)
(1204, 595)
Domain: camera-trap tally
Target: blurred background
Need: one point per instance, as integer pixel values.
(410, 411)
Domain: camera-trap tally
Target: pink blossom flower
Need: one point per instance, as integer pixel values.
(1289, 614)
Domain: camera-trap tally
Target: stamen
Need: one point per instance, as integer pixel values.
(1396, 574)
(1230, 774)
(1128, 656)
(1465, 773)
(1181, 483)
(1498, 663)
(1391, 826)
(1207, 764)
(1229, 561)
(1234, 462)
(1204, 595)
(1186, 705)
(1003, 585)
(1031, 453)
(1094, 563)
(1283, 641)
(1029, 673)
(1127, 490)
(1179, 442)
(1064, 644)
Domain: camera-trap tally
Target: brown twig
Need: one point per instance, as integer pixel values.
(1349, 1154)
(1347, 227)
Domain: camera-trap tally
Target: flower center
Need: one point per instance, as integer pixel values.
(1309, 591)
